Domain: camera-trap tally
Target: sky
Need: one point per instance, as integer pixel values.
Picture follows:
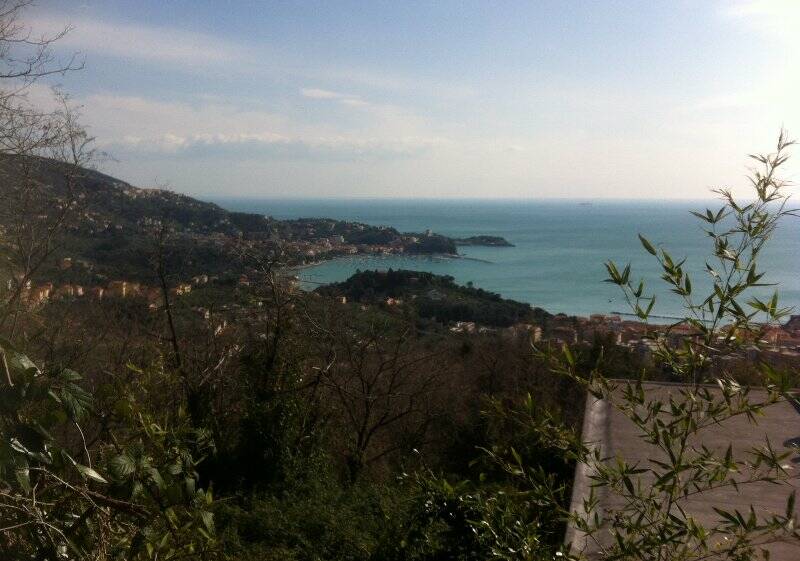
(504, 99)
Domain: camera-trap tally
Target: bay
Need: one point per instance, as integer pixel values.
(560, 246)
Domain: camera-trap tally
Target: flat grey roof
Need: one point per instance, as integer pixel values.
(608, 428)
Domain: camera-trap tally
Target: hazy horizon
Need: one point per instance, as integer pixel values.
(389, 198)
(613, 100)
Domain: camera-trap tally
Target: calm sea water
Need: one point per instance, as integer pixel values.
(560, 246)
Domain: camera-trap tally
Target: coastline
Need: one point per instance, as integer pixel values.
(558, 254)
(441, 256)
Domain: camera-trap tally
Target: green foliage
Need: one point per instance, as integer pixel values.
(311, 519)
(465, 521)
(653, 517)
(725, 318)
(433, 244)
(304, 433)
(280, 435)
(435, 297)
(134, 499)
(655, 521)
(511, 510)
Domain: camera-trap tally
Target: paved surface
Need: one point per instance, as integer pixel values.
(617, 436)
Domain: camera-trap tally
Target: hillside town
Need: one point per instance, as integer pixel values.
(778, 342)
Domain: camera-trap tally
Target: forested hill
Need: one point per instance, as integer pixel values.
(113, 225)
(106, 202)
(435, 297)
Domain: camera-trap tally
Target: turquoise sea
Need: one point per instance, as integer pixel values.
(560, 246)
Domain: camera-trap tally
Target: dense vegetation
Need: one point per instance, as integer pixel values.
(484, 240)
(436, 297)
(113, 225)
(259, 422)
(248, 420)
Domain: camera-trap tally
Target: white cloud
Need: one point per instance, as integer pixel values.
(127, 126)
(775, 24)
(267, 146)
(317, 93)
(112, 116)
(174, 45)
(779, 19)
(150, 43)
(345, 99)
(724, 102)
(321, 125)
(379, 79)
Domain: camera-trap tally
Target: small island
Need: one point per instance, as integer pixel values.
(489, 241)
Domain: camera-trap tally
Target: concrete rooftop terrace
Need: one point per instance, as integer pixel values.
(608, 428)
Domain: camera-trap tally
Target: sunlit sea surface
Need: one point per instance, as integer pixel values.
(560, 246)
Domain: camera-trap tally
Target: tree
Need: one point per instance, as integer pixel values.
(383, 386)
(653, 519)
(62, 497)
(130, 491)
(642, 510)
(29, 133)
